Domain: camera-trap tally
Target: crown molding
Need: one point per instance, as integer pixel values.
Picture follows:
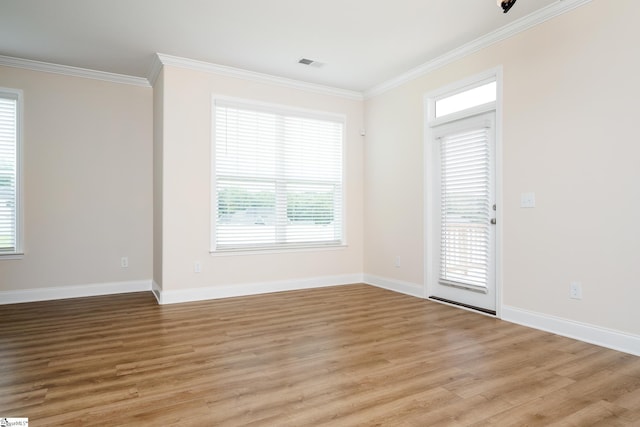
(66, 70)
(175, 61)
(558, 8)
(154, 71)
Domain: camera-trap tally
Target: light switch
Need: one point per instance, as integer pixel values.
(528, 200)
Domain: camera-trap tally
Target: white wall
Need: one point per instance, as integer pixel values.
(186, 192)
(571, 92)
(87, 179)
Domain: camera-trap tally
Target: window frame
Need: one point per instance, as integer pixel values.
(279, 109)
(18, 250)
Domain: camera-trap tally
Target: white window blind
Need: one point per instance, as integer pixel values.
(278, 178)
(9, 241)
(465, 209)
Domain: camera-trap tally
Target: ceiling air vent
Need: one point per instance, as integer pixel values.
(310, 62)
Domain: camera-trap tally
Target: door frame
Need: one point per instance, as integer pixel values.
(430, 264)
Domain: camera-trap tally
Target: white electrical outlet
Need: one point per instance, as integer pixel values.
(528, 200)
(575, 290)
(124, 262)
(397, 261)
(197, 268)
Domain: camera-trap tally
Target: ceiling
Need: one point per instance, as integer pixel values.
(360, 43)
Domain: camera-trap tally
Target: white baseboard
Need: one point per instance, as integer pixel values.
(616, 340)
(156, 289)
(244, 289)
(79, 291)
(597, 335)
(408, 288)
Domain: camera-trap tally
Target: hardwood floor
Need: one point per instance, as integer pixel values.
(343, 356)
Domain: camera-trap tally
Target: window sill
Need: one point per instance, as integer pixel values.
(279, 250)
(11, 256)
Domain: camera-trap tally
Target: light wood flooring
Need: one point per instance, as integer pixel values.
(343, 356)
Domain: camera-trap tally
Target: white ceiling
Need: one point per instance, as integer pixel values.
(362, 43)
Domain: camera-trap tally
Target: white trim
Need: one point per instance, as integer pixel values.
(499, 192)
(592, 334)
(224, 70)
(77, 291)
(408, 288)
(156, 290)
(154, 71)
(67, 70)
(20, 185)
(245, 289)
(509, 30)
(275, 250)
(11, 256)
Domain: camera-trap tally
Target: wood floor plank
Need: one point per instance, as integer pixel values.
(344, 356)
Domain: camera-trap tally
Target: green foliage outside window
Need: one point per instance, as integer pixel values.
(310, 206)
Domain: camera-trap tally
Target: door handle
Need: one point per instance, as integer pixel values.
(493, 221)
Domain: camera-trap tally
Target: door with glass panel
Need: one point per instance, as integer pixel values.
(464, 213)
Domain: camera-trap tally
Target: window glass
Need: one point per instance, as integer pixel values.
(479, 95)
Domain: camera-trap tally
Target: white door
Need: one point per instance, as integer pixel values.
(464, 213)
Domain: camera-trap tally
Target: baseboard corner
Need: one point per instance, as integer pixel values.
(407, 288)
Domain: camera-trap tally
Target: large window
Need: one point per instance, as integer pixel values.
(277, 177)
(10, 238)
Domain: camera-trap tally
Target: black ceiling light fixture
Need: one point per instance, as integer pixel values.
(506, 5)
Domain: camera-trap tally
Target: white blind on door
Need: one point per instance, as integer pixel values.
(278, 178)
(465, 208)
(8, 173)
